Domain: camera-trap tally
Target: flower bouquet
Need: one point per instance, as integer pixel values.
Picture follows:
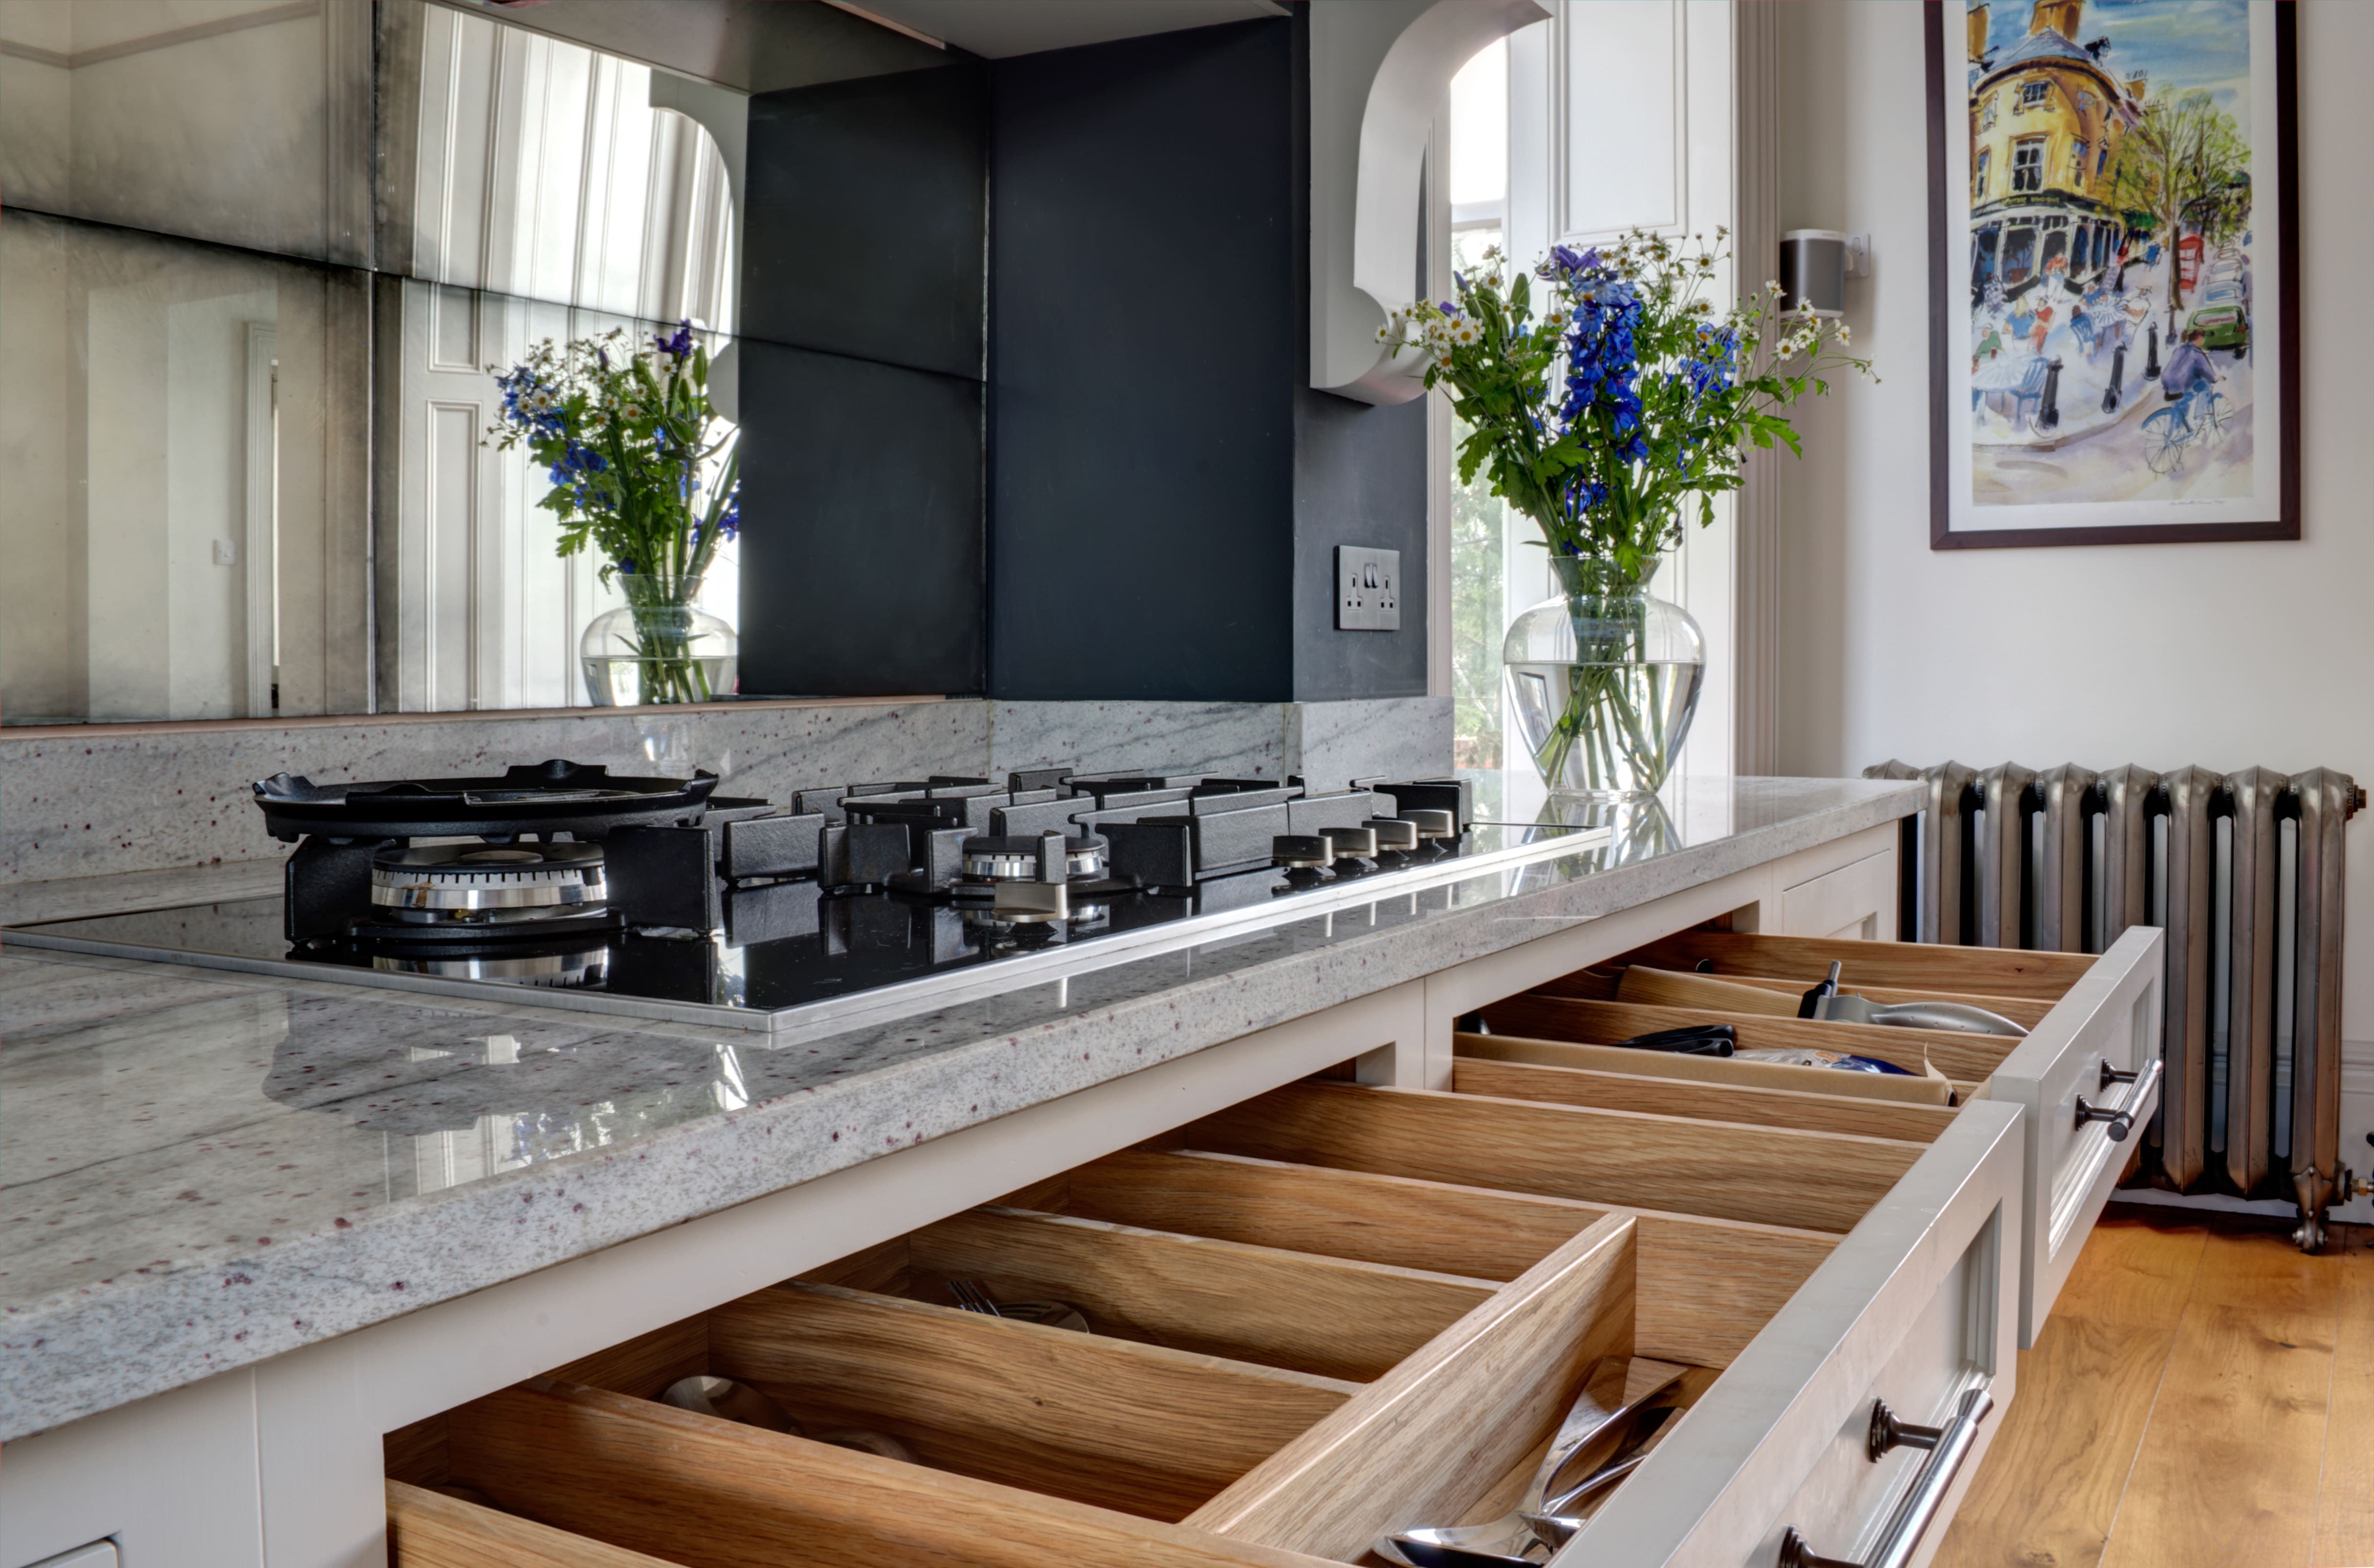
(644, 471)
(1629, 397)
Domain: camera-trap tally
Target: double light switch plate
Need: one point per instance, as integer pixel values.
(1368, 589)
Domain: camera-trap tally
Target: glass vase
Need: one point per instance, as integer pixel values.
(1604, 679)
(658, 646)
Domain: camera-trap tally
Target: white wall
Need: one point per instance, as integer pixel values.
(2224, 655)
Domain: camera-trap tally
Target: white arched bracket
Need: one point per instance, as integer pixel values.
(1378, 69)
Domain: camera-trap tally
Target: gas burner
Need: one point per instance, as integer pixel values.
(569, 970)
(482, 884)
(1015, 858)
(583, 801)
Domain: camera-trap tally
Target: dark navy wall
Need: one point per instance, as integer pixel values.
(1144, 326)
(1166, 491)
(1138, 496)
(864, 278)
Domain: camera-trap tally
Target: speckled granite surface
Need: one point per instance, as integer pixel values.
(109, 800)
(204, 1169)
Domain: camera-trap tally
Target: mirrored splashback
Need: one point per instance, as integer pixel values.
(259, 260)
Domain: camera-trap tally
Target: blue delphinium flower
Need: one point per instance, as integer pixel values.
(678, 346)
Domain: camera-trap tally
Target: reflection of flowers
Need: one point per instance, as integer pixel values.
(625, 437)
(641, 469)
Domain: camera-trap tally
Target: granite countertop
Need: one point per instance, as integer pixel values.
(202, 1169)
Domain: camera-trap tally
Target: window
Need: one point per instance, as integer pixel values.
(2085, 103)
(1978, 172)
(2027, 165)
(1987, 111)
(2101, 162)
(2077, 165)
(2032, 94)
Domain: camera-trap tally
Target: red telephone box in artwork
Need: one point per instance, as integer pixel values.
(2188, 262)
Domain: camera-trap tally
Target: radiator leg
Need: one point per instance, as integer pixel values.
(2315, 1195)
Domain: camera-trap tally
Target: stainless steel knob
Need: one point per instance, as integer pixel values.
(2118, 1124)
(1359, 842)
(1432, 822)
(1300, 851)
(1395, 834)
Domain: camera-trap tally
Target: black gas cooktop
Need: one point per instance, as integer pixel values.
(567, 885)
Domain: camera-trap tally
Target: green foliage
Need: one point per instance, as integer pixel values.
(1628, 401)
(643, 470)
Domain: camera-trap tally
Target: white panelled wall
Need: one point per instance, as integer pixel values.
(1621, 117)
(551, 200)
(2224, 655)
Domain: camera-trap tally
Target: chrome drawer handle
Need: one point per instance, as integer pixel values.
(2119, 1123)
(1901, 1538)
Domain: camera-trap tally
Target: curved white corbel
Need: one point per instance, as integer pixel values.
(1378, 69)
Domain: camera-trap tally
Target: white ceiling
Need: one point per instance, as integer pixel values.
(999, 28)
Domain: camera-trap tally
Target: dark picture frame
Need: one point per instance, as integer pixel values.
(1954, 303)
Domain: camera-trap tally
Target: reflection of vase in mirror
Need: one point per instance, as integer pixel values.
(660, 645)
(1604, 679)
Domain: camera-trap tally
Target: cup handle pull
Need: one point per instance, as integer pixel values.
(1901, 1538)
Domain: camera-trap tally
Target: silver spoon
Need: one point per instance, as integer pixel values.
(1616, 1388)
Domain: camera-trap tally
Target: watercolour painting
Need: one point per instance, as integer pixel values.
(2113, 351)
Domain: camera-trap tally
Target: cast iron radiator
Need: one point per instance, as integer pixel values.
(2243, 871)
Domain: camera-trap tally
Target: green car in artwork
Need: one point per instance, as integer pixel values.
(2222, 326)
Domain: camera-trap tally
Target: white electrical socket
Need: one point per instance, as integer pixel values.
(226, 552)
(1368, 589)
(1858, 256)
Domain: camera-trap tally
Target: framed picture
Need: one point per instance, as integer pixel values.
(2113, 320)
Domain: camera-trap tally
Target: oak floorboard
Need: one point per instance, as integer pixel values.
(2344, 1503)
(2048, 1491)
(2227, 1475)
(2137, 1268)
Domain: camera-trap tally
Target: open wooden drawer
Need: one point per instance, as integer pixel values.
(1326, 1314)
(2087, 1076)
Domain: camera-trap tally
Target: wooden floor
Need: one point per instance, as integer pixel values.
(2203, 1394)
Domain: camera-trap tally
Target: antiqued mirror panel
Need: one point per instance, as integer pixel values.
(260, 264)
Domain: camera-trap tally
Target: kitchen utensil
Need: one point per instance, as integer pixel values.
(866, 1441)
(973, 1296)
(1696, 1039)
(1617, 1387)
(1960, 1017)
(1829, 1005)
(728, 1400)
(1557, 1519)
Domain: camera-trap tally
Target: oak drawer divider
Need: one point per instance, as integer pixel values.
(1822, 1181)
(1135, 1427)
(1998, 971)
(1423, 1443)
(1333, 1316)
(709, 1493)
(1963, 1058)
(1512, 1068)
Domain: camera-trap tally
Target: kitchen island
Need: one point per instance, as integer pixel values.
(254, 1225)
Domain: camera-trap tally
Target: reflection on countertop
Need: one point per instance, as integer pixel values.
(204, 1169)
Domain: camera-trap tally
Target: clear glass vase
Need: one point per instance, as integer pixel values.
(657, 647)
(1604, 679)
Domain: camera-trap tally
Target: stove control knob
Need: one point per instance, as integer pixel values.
(1432, 824)
(1358, 843)
(1395, 834)
(1300, 851)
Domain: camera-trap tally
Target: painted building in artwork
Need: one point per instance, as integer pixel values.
(2047, 118)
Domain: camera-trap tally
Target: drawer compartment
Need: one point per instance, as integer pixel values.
(2093, 1035)
(1330, 1313)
